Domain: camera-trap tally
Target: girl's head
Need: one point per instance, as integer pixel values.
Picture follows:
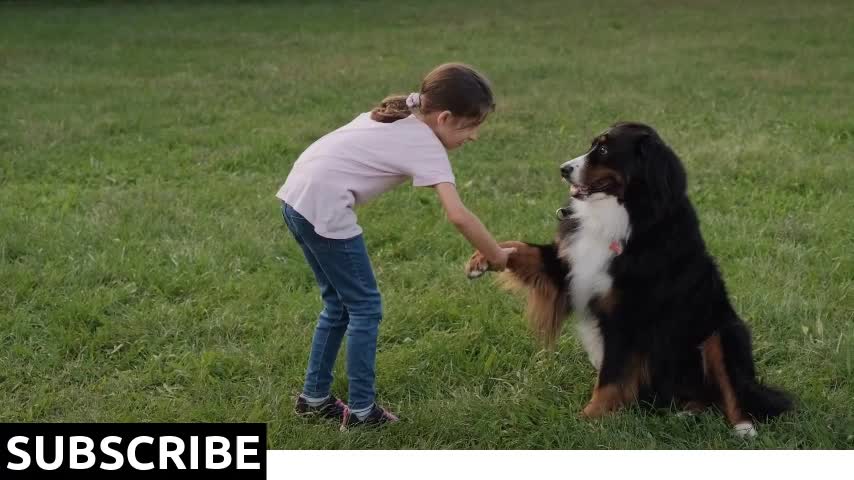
(454, 100)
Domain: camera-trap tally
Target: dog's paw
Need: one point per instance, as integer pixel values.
(690, 409)
(594, 410)
(476, 266)
(744, 430)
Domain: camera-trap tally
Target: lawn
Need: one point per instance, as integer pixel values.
(146, 273)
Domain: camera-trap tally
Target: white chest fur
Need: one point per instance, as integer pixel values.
(601, 221)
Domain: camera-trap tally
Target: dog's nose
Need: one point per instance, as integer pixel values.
(566, 171)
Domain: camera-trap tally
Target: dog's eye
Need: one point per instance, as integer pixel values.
(603, 150)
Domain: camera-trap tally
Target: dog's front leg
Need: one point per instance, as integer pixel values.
(530, 264)
(619, 379)
(539, 271)
(478, 264)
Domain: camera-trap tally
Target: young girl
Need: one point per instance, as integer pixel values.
(404, 137)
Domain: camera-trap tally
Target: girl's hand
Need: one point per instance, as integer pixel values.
(474, 231)
(478, 264)
(499, 264)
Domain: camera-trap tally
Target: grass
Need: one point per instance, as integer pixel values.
(146, 275)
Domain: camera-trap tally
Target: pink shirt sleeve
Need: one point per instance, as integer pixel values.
(431, 168)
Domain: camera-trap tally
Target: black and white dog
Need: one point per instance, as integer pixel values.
(652, 309)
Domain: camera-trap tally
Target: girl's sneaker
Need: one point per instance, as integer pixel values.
(376, 417)
(331, 408)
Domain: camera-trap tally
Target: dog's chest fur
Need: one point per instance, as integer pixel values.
(587, 250)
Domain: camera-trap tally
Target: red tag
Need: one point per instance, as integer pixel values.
(616, 247)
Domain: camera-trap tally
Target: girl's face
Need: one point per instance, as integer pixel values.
(453, 132)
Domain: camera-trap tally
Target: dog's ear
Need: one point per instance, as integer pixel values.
(662, 172)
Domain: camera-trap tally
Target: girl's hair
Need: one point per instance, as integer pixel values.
(455, 87)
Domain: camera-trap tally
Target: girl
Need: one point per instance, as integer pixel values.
(404, 137)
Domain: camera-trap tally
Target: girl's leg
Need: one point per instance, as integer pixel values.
(363, 302)
(346, 266)
(332, 321)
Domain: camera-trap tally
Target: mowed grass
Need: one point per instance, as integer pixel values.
(146, 274)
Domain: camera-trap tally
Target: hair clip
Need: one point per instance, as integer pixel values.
(413, 100)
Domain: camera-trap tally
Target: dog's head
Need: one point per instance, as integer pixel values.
(631, 162)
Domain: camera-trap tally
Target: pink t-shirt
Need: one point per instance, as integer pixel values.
(356, 163)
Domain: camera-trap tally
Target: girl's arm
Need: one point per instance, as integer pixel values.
(470, 226)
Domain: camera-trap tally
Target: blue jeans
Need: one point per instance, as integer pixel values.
(351, 305)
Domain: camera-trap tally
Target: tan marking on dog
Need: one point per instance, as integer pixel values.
(607, 303)
(614, 396)
(714, 369)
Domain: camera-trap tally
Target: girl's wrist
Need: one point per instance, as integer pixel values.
(495, 256)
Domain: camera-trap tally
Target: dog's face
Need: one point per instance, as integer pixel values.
(628, 161)
(602, 170)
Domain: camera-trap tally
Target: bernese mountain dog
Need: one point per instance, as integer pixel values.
(651, 307)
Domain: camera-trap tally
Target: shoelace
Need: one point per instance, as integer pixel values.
(390, 416)
(385, 415)
(345, 422)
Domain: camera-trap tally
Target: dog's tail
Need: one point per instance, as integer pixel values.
(538, 271)
(763, 402)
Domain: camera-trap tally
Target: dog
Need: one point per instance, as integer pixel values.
(653, 313)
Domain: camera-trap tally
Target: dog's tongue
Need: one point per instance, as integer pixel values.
(578, 191)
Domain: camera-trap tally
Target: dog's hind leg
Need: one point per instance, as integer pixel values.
(714, 366)
(728, 364)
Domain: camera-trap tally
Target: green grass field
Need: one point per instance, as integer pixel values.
(146, 274)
